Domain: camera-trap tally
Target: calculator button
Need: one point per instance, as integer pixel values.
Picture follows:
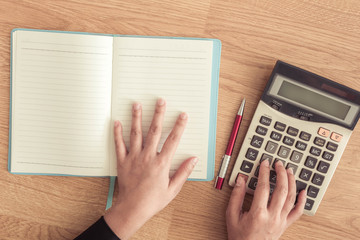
(288, 141)
(284, 152)
(280, 126)
(315, 151)
(275, 135)
(267, 158)
(336, 137)
(305, 174)
(301, 145)
(257, 171)
(251, 154)
(253, 183)
(323, 132)
(261, 130)
(293, 166)
(312, 191)
(246, 166)
(271, 147)
(257, 141)
(317, 179)
(272, 188)
(278, 159)
(323, 167)
(332, 146)
(292, 131)
(296, 156)
(300, 186)
(309, 204)
(265, 121)
(310, 162)
(328, 156)
(319, 141)
(305, 136)
(272, 176)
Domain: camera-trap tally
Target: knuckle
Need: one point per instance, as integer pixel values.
(135, 132)
(259, 215)
(283, 190)
(155, 129)
(159, 109)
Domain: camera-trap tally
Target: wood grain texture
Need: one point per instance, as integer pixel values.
(319, 35)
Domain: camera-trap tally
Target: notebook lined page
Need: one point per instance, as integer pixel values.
(61, 103)
(177, 70)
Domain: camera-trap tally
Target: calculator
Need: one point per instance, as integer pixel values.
(303, 120)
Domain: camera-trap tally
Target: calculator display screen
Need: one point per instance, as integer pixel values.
(313, 99)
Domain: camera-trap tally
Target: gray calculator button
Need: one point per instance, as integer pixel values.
(310, 162)
(313, 191)
(292, 131)
(261, 130)
(319, 141)
(257, 171)
(280, 126)
(257, 141)
(328, 156)
(300, 186)
(309, 204)
(317, 179)
(293, 166)
(265, 120)
(278, 159)
(284, 152)
(315, 151)
(305, 174)
(305, 136)
(332, 146)
(301, 145)
(296, 156)
(267, 158)
(275, 135)
(272, 176)
(323, 167)
(271, 147)
(288, 141)
(251, 154)
(246, 166)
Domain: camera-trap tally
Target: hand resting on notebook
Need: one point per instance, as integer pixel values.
(143, 174)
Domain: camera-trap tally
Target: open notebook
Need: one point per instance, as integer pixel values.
(67, 88)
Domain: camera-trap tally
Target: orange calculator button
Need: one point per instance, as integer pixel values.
(336, 137)
(324, 132)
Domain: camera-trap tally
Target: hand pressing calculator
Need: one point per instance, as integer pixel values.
(303, 120)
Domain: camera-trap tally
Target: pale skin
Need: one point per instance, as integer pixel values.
(145, 187)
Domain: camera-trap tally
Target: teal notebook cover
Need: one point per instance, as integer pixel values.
(213, 101)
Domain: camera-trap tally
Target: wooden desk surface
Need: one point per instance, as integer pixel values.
(319, 35)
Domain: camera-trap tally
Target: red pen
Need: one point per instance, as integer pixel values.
(226, 158)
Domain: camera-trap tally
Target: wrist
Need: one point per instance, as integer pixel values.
(124, 221)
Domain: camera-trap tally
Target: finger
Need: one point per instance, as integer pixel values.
(291, 197)
(236, 200)
(281, 190)
(261, 194)
(180, 176)
(172, 141)
(120, 147)
(296, 213)
(154, 133)
(136, 132)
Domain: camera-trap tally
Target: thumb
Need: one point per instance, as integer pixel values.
(236, 200)
(180, 176)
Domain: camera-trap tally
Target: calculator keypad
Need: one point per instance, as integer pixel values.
(309, 159)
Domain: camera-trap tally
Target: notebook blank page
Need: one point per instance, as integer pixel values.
(61, 103)
(177, 70)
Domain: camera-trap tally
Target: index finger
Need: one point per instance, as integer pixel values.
(172, 141)
(261, 195)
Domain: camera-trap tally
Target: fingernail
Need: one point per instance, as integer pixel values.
(160, 101)
(136, 106)
(238, 180)
(116, 123)
(194, 161)
(290, 170)
(183, 116)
